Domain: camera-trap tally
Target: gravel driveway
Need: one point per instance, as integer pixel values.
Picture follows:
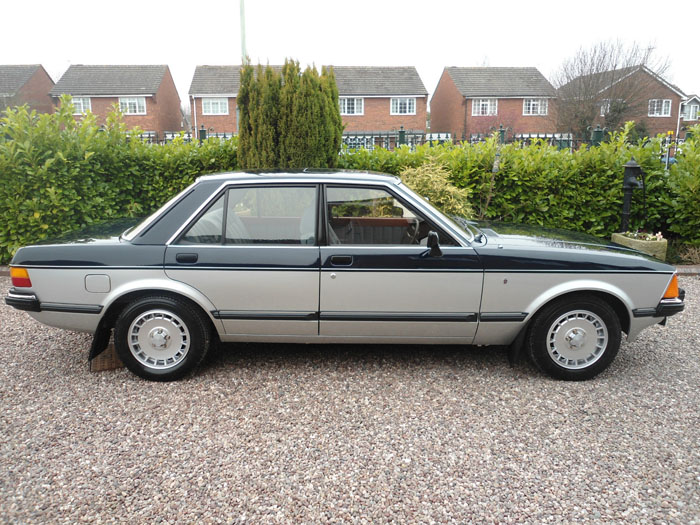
(352, 434)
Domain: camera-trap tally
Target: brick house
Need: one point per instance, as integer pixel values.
(381, 99)
(644, 97)
(372, 99)
(690, 113)
(146, 95)
(26, 84)
(213, 93)
(470, 101)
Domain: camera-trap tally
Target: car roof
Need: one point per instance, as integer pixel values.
(306, 175)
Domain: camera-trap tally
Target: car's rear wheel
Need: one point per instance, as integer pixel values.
(574, 338)
(161, 338)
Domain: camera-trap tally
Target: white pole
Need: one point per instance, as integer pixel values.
(244, 54)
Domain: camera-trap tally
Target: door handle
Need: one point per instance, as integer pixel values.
(186, 258)
(341, 260)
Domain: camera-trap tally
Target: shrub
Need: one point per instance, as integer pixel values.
(432, 181)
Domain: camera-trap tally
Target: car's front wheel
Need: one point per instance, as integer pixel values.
(161, 338)
(574, 338)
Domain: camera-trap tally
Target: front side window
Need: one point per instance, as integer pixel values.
(535, 106)
(351, 106)
(132, 105)
(215, 106)
(374, 216)
(403, 106)
(258, 215)
(659, 107)
(81, 105)
(482, 107)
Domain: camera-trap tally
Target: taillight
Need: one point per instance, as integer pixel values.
(20, 278)
(672, 289)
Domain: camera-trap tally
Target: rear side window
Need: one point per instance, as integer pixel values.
(258, 215)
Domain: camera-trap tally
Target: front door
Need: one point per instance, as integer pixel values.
(378, 279)
(253, 253)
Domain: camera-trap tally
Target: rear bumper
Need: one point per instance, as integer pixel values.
(23, 301)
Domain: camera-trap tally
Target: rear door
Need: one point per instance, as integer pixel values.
(253, 253)
(378, 279)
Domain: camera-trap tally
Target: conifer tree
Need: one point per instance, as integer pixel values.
(290, 120)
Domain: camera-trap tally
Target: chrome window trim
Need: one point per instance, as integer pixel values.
(393, 186)
(242, 183)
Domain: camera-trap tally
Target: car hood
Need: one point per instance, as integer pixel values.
(530, 247)
(534, 236)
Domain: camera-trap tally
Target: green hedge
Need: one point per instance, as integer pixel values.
(58, 175)
(582, 191)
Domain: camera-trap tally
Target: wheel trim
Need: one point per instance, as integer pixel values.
(577, 339)
(158, 339)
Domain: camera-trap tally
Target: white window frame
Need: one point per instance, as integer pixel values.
(489, 105)
(604, 107)
(79, 105)
(124, 105)
(539, 104)
(357, 103)
(219, 102)
(691, 111)
(660, 107)
(397, 102)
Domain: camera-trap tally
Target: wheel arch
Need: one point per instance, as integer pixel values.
(616, 303)
(618, 300)
(121, 298)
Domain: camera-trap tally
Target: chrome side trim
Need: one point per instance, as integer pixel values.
(72, 308)
(439, 317)
(502, 317)
(264, 316)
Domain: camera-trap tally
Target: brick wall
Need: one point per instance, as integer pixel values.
(377, 117)
(36, 92)
(447, 108)
(215, 123)
(510, 115)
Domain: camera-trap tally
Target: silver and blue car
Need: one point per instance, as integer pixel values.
(338, 257)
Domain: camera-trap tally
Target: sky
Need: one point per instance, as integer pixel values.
(429, 35)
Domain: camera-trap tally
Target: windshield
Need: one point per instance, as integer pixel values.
(447, 219)
(131, 233)
(467, 226)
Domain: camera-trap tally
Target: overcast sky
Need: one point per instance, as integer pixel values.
(427, 34)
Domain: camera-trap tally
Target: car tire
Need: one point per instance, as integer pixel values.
(574, 338)
(161, 338)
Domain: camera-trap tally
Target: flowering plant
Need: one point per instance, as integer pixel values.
(645, 236)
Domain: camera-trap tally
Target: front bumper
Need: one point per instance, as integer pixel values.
(665, 308)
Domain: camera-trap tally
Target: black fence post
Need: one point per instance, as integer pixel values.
(629, 183)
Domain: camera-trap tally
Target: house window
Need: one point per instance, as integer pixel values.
(604, 107)
(484, 107)
(690, 111)
(81, 105)
(352, 106)
(132, 105)
(215, 106)
(660, 107)
(403, 106)
(535, 106)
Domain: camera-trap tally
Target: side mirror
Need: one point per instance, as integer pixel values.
(434, 244)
